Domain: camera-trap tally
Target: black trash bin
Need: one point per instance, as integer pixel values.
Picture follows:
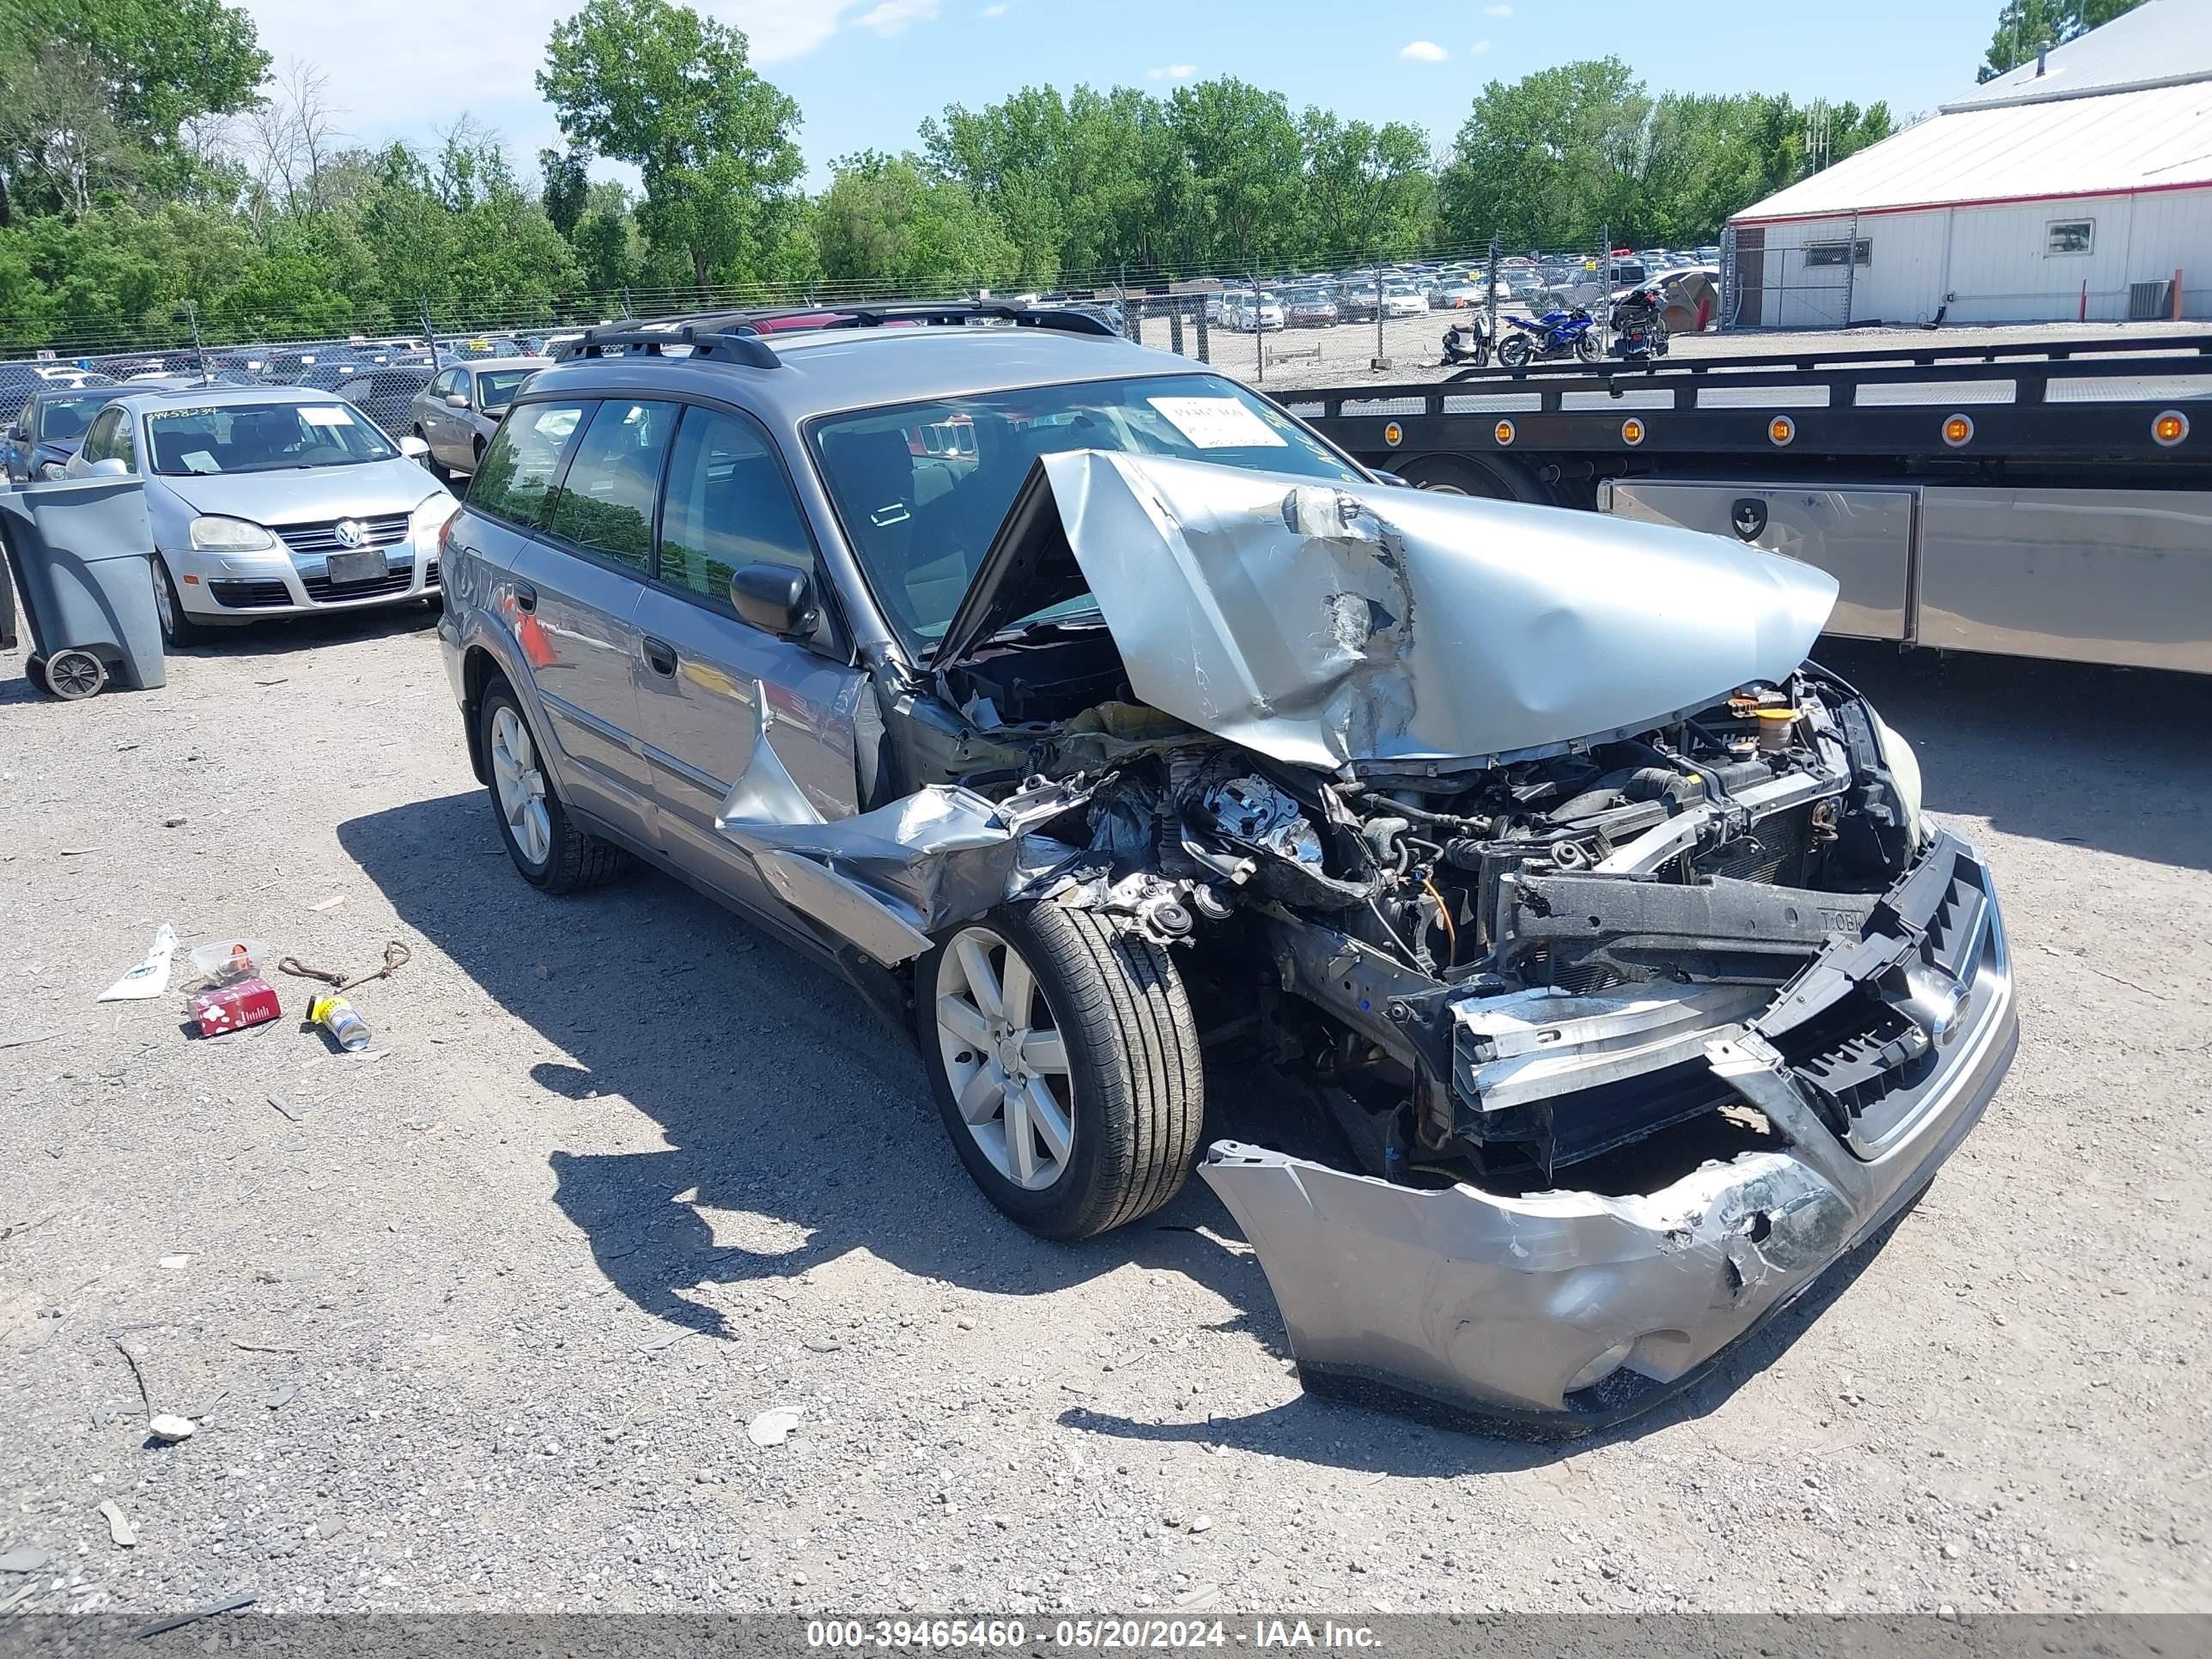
(82, 552)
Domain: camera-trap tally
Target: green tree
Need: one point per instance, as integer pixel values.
(2026, 26)
(673, 93)
(1369, 190)
(1247, 181)
(565, 188)
(887, 221)
(1546, 161)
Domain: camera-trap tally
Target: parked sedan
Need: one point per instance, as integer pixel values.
(267, 502)
(1309, 308)
(1404, 300)
(456, 414)
(41, 440)
(1251, 313)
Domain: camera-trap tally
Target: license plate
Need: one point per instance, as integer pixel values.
(347, 569)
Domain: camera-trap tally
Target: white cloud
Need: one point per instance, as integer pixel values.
(999, 10)
(1423, 52)
(891, 17)
(1479, 47)
(777, 30)
(1497, 11)
(1171, 72)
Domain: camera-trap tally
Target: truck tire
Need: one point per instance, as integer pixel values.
(1494, 478)
(1076, 1102)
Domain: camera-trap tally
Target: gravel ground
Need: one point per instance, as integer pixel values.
(484, 1328)
(1414, 345)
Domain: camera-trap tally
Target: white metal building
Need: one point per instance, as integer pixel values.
(2076, 187)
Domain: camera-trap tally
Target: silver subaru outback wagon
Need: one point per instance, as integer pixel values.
(1028, 677)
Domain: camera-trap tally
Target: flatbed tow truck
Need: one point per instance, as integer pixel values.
(2046, 499)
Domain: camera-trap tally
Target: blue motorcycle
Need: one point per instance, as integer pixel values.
(1555, 334)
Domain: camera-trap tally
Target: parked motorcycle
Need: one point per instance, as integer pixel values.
(1555, 334)
(1467, 342)
(1639, 334)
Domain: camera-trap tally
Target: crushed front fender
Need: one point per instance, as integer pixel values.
(1561, 1312)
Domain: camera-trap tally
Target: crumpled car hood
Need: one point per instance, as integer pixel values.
(1323, 623)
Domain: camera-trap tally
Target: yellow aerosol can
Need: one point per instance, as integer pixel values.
(337, 1015)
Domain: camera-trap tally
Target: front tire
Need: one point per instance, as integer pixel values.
(1066, 1064)
(178, 628)
(552, 853)
(1586, 348)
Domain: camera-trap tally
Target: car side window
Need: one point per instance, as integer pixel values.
(96, 438)
(606, 505)
(728, 504)
(516, 478)
(124, 442)
(447, 384)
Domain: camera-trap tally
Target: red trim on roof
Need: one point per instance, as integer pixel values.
(1970, 202)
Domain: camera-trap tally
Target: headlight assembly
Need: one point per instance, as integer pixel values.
(1905, 768)
(214, 534)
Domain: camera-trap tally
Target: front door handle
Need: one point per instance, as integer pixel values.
(525, 596)
(660, 657)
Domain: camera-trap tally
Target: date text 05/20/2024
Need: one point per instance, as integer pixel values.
(990, 1634)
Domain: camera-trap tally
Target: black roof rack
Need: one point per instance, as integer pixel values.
(876, 314)
(736, 345)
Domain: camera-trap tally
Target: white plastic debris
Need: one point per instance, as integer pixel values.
(118, 1524)
(773, 1426)
(169, 1430)
(150, 978)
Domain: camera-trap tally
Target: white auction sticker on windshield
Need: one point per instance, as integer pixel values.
(326, 415)
(1218, 423)
(199, 461)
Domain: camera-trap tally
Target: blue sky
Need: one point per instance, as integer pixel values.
(866, 72)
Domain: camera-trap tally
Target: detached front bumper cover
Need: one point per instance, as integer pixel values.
(1563, 1311)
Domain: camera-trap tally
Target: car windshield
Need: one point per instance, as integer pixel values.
(921, 489)
(261, 437)
(61, 419)
(496, 390)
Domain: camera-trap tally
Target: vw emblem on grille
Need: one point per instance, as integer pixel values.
(351, 532)
(1747, 518)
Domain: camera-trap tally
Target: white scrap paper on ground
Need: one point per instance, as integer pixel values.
(774, 1426)
(150, 978)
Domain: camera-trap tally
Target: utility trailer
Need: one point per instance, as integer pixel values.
(2036, 499)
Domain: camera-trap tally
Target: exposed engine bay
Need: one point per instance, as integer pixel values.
(1492, 974)
(1602, 923)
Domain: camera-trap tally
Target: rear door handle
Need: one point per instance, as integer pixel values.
(525, 596)
(660, 656)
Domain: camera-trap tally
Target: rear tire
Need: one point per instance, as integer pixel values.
(1119, 1061)
(552, 853)
(1513, 353)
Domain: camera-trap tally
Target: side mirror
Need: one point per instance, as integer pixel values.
(109, 466)
(413, 447)
(457, 400)
(776, 599)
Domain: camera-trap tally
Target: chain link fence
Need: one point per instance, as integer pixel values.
(1306, 325)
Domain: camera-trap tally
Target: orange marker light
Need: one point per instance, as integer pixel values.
(2170, 427)
(1957, 430)
(1502, 432)
(1781, 430)
(1632, 431)
(1394, 434)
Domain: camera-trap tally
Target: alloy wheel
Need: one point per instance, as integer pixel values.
(521, 785)
(1005, 1059)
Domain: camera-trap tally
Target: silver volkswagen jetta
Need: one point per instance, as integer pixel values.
(267, 501)
(1038, 682)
